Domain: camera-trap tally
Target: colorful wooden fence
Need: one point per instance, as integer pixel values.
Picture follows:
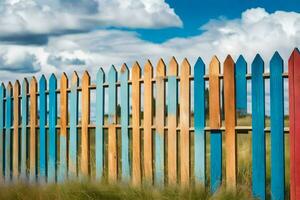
(144, 135)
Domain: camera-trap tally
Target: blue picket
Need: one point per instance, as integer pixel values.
(199, 121)
(73, 146)
(277, 127)
(125, 122)
(43, 122)
(52, 157)
(215, 159)
(241, 85)
(99, 124)
(8, 124)
(258, 125)
(2, 111)
(24, 141)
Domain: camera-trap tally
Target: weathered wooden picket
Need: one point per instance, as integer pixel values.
(46, 139)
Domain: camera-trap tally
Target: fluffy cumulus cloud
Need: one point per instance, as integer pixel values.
(30, 19)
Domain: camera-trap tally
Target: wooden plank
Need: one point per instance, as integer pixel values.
(24, 149)
(160, 123)
(73, 148)
(62, 170)
(52, 158)
(124, 122)
(112, 120)
(2, 111)
(172, 121)
(185, 123)
(16, 118)
(215, 124)
(258, 125)
(277, 127)
(148, 120)
(136, 135)
(42, 124)
(99, 124)
(294, 103)
(230, 122)
(241, 85)
(199, 118)
(33, 123)
(85, 146)
(8, 125)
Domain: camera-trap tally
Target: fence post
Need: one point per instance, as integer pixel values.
(8, 124)
(2, 111)
(172, 122)
(24, 150)
(43, 122)
(16, 130)
(148, 118)
(294, 106)
(215, 124)
(258, 126)
(136, 137)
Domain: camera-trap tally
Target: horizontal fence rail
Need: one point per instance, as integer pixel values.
(150, 125)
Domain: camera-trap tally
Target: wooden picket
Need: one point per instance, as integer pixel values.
(158, 141)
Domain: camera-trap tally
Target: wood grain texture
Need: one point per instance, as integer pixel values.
(185, 123)
(294, 106)
(85, 145)
(199, 115)
(148, 120)
(112, 120)
(2, 111)
(215, 124)
(136, 135)
(24, 149)
(73, 145)
(277, 127)
(124, 123)
(16, 104)
(42, 132)
(160, 123)
(33, 123)
(99, 124)
(52, 157)
(258, 126)
(230, 122)
(62, 169)
(172, 122)
(8, 125)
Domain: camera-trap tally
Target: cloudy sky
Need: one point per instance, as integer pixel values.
(45, 36)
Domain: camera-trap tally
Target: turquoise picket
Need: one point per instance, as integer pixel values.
(277, 127)
(241, 85)
(52, 156)
(24, 141)
(2, 111)
(125, 122)
(42, 124)
(215, 159)
(99, 124)
(258, 125)
(73, 145)
(199, 118)
(8, 125)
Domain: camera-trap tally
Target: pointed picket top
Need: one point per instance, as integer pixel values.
(229, 60)
(185, 66)
(17, 85)
(294, 54)
(136, 69)
(100, 73)
(199, 63)
(214, 66)
(161, 68)
(64, 79)
(33, 80)
(124, 69)
(276, 61)
(214, 60)
(173, 67)
(148, 67)
(74, 78)
(42, 80)
(2, 86)
(9, 87)
(112, 72)
(86, 77)
(53, 81)
(258, 60)
(241, 60)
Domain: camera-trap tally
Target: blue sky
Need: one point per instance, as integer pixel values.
(54, 36)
